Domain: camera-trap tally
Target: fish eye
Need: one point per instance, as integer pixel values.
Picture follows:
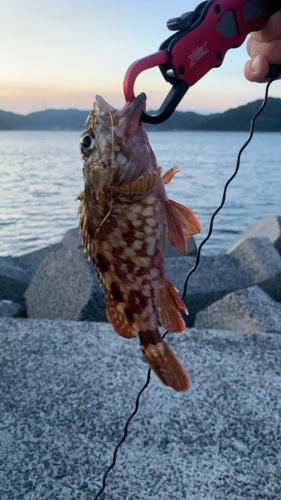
(87, 141)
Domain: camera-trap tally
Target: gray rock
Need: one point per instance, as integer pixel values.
(249, 310)
(31, 262)
(68, 388)
(24, 267)
(16, 273)
(13, 281)
(65, 287)
(171, 252)
(269, 227)
(215, 277)
(9, 309)
(259, 263)
(72, 239)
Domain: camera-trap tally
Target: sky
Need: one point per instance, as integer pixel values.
(60, 54)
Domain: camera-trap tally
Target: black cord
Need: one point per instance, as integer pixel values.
(124, 435)
(252, 128)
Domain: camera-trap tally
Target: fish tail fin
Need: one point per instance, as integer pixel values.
(169, 305)
(165, 364)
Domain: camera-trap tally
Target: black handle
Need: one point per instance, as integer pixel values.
(274, 71)
(273, 6)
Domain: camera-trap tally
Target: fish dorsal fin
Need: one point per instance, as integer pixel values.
(141, 185)
(169, 305)
(175, 229)
(116, 314)
(167, 177)
(188, 218)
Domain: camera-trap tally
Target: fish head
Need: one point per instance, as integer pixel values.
(114, 146)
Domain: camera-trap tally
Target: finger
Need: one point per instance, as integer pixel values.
(272, 29)
(256, 69)
(271, 50)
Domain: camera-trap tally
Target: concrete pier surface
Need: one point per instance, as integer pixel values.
(67, 389)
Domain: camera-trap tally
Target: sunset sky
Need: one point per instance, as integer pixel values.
(60, 54)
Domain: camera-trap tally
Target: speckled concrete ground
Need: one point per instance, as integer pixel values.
(67, 389)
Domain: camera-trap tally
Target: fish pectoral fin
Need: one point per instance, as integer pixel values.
(141, 185)
(167, 177)
(83, 227)
(165, 364)
(188, 218)
(169, 305)
(175, 229)
(120, 320)
(81, 198)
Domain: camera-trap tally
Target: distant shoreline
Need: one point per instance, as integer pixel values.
(233, 120)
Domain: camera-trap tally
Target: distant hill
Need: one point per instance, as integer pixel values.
(180, 120)
(51, 119)
(237, 119)
(63, 119)
(11, 121)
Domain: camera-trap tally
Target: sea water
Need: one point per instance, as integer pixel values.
(41, 176)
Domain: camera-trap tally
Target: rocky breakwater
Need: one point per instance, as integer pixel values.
(240, 290)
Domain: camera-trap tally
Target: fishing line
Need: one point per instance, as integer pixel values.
(193, 269)
(124, 435)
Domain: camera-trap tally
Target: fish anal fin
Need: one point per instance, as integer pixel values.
(169, 305)
(163, 361)
(175, 229)
(189, 220)
(167, 177)
(117, 316)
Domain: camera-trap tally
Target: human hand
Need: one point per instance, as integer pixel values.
(264, 47)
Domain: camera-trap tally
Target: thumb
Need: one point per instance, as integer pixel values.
(256, 69)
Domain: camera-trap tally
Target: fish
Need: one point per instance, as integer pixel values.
(124, 217)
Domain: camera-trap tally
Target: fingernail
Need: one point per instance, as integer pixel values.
(255, 64)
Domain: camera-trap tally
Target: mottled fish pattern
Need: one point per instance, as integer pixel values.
(124, 214)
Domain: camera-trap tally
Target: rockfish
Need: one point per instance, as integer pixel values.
(124, 215)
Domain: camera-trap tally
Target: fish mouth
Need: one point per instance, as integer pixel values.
(107, 109)
(138, 101)
(104, 105)
(110, 117)
(134, 110)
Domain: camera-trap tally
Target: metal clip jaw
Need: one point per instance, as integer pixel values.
(173, 98)
(168, 106)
